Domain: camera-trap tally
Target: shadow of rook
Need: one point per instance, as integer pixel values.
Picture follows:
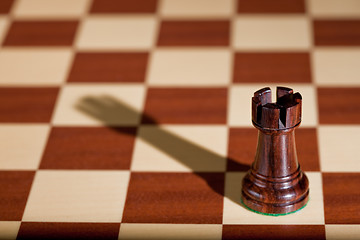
(110, 112)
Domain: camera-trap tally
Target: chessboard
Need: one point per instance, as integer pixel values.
(131, 119)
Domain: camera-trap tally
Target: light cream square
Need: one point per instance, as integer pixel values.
(240, 95)
(9, 230)
(50, 8)
(197, 8)
(99, 104)
(180, 148)
(22, 145)
(170, 231)
(338, 66)
(116, 33)
(189, 67)
(271, 32)
(77, 196)
(348, 232)
(235, 213)
(334, 8)
(34, 66)
(339, 148)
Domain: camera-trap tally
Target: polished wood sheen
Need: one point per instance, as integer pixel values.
(275, 183)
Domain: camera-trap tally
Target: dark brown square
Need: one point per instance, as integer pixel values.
(124, 6)
(109, 67)
(341, 198)
(20, 105)
(272, 67)
(15, 187)
(5, 6)
(61, 230)
(307, 149)
(265, 6)
(339, 105)
(186, 105)
(241, 148)
(337, 32)
(278, 232)
(41, 33)
(194, 33)
(175, 198)
(89, 148)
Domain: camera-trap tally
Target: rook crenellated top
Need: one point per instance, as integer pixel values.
(284, 113)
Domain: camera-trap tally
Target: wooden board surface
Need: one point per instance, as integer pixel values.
(132, 119)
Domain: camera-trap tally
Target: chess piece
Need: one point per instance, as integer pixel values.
(275, 183)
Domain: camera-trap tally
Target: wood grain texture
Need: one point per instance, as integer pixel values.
(278, 232)
(275, 183)
(264, 6)
(186, 105)
(307, 149)
(123, 6)
(109, 67)
(174, 198)
(339, 105)
(41, 33)
(70, 230)
(337, 32)
(89, 148)
(272, 67)
(341, 198)
(241, 148)
(194, 33)
(27, 105)
(15, 188)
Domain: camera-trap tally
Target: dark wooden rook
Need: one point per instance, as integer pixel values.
(275, 183)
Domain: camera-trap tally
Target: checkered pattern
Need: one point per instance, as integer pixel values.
(130, 119)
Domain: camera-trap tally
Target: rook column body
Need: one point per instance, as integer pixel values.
(275, 183)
